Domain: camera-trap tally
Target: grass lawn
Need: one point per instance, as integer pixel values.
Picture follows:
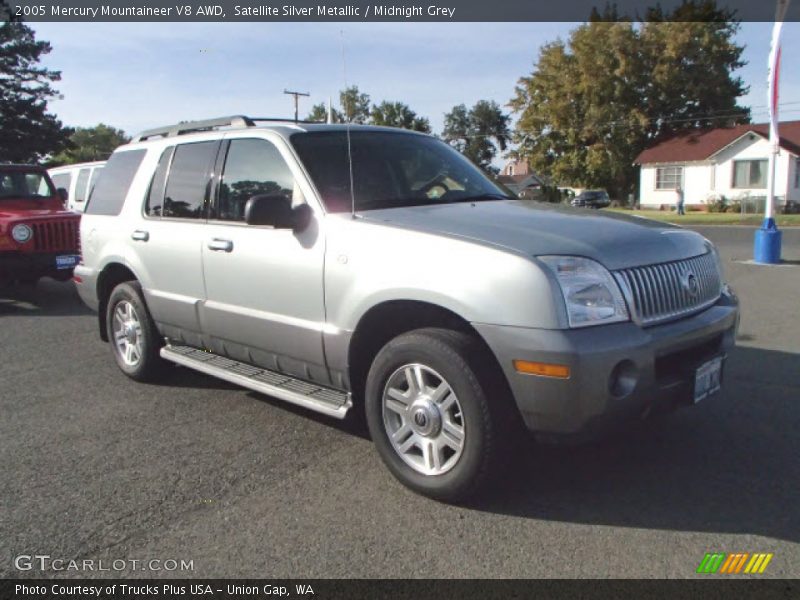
(701, 218)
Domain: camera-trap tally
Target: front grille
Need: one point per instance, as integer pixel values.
(665, 291)
(56, 236)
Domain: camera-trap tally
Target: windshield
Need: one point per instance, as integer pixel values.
(24, 184)
(390, 170)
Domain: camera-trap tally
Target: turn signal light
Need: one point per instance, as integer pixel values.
(543, 369)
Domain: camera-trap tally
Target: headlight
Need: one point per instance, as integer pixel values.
(590, 293)
(21, 233)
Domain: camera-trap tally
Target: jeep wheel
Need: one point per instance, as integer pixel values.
(132, 334)
(429, 415)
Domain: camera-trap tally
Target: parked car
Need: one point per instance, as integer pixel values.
(38, 237)
(591, 199)
(78, 180)
(355, 268)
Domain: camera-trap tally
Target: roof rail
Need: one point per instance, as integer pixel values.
(235, 121)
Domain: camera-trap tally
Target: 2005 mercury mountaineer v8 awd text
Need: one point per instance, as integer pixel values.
(351, 268)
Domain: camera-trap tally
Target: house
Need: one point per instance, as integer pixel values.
(729, 162)
(518, 177)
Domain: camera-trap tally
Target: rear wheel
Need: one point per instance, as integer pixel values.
(429, 414)
(134, 339)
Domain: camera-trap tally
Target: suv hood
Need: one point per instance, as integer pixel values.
(531, 228)
(25, 209)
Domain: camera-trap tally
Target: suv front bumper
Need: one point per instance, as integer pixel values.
(586, 404)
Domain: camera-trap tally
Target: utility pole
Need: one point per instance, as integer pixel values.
(296, 99)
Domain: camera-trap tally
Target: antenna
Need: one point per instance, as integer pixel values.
(296, 98)
(349, 145)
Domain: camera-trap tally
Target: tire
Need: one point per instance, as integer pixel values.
(401, 427)
(137, 354)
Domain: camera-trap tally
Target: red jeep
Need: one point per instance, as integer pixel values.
(37, 236)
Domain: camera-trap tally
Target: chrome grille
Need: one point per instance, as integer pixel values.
(664, 292)
(55, 236)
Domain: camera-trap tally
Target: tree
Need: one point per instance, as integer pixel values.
(319, 113)
(28, 132)
(478, 133)
(398, 114)
(614, 88)
(355, 105)
(91, 143)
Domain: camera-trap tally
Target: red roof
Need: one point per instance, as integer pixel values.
(702, 144)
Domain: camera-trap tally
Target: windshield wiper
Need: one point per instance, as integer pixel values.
(481, 197)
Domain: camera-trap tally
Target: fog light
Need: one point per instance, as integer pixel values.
(544, 369)
(623, 379)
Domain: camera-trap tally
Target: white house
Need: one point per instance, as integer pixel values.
(728, 162)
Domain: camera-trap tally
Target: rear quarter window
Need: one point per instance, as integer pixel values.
(108, 195)
(62, 180)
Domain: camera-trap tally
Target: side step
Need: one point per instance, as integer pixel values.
(333, 403)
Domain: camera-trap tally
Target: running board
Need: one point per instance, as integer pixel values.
(327, 401)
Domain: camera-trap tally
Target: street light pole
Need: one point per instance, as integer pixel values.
(296, 98)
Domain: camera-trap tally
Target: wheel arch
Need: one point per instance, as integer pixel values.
(111, 276)
(385, 321)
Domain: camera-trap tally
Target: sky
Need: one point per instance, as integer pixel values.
(136, 76)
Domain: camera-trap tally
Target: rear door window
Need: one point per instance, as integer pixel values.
(189, 180)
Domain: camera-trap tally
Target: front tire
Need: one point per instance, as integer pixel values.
(134, 339)
(429, 415)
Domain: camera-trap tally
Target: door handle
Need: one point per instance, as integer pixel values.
(219, 245)
(140, 236)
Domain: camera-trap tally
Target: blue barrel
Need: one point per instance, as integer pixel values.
(767, 246)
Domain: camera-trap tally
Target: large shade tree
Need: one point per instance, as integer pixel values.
(91, 143)
(595, 101)
(28, 132)
(479, 132)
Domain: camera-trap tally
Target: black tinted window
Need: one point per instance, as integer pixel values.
(62, 180)
(108, 195)
(188, 180)
(253, 167)
(155, 196)
(389, 170)
(82, 185)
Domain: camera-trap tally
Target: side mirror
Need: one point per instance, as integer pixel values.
(63, 194)
(277, 212)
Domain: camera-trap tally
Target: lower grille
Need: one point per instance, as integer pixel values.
(668, 291)
(56, 236)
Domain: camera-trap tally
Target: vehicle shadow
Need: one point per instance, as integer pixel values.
(729, 465)
(48, 298)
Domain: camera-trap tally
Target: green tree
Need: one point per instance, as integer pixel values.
(479, 132)
(398, 114)
(614, 88)
(355, 105)
(319, 113)
(28, 133)
(91, 143)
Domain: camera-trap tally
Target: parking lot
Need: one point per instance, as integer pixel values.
(96, 466)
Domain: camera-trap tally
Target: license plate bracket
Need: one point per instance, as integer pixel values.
(707, 379)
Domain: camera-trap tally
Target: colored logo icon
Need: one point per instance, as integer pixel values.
(732, 564)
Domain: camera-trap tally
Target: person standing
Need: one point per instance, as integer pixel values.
(679, 200)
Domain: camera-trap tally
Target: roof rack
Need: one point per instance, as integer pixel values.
(234, 122)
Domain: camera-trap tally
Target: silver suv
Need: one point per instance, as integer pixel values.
(352, 268)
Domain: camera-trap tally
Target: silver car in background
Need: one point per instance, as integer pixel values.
(352, 268)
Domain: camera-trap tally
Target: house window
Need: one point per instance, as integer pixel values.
(668, 178)
(797, 172)
(750, 174)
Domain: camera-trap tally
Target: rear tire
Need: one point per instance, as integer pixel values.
(132, 334)
(430, 417)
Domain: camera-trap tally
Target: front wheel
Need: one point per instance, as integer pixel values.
(133, 336)
(429, 415)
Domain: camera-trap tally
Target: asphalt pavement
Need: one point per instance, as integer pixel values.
(94, 466)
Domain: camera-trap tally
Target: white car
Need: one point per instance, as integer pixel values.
(78, 180)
